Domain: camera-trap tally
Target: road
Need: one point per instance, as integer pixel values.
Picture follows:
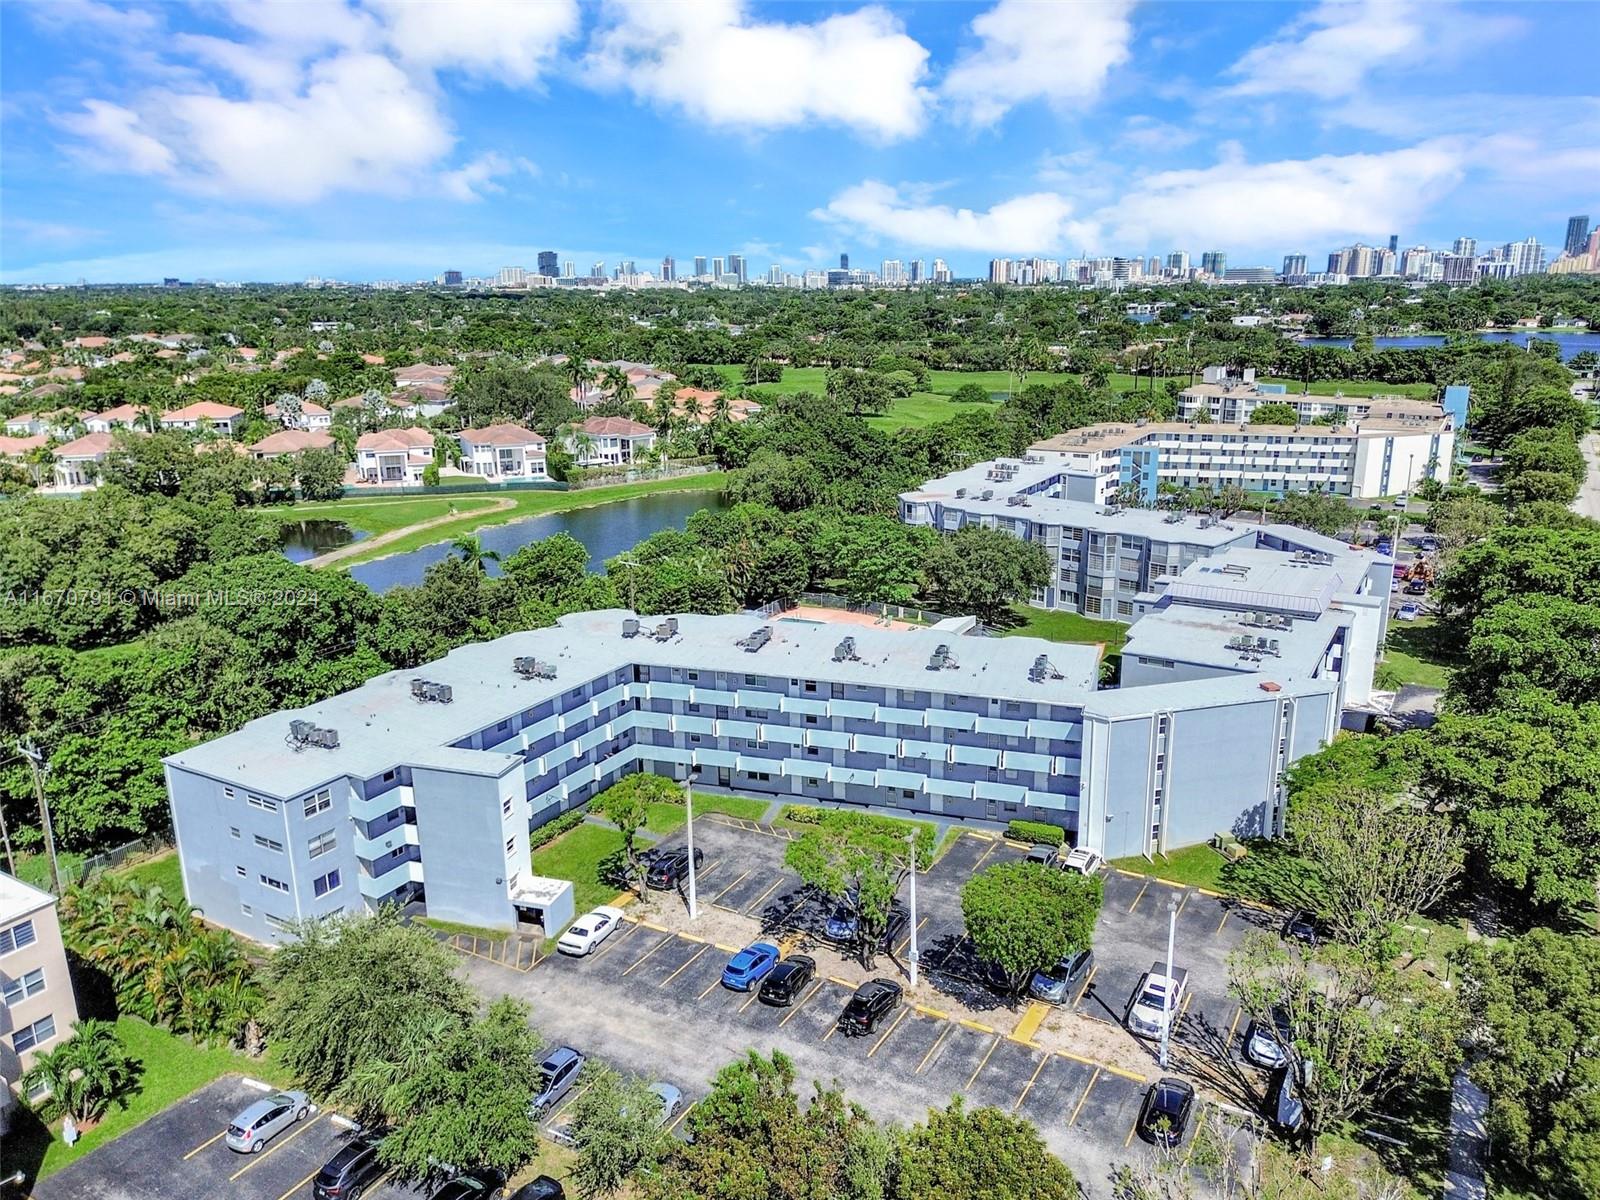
(1588, 502)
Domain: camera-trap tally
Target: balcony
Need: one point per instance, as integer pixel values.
(375, 887)
(384, 802)
(373, 848)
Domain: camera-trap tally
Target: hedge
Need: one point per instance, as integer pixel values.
(804, 814)
(556, 826)
(1036, 831)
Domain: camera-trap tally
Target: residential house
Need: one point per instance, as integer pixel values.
(503, 452)
(291, 441)
(15, 450)
(420, 400)
(40, 1008)
(78, 462)
(608, 441)
(27, 425)
(436, 375)
(397, 456)
(312, 416)
(205, 414)
(123, 416)
(700, 406)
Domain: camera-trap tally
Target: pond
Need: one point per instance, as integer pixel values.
(304, 540)
(605, 529)
(1570, 343)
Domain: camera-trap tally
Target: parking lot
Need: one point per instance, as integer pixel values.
(178, 1155)
(650, 1000)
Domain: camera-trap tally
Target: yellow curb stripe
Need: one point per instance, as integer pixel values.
(1030, 1022)
(653, 925)
(841, 982)
(1126, 1074)
(980, 1027)
(931, 1012)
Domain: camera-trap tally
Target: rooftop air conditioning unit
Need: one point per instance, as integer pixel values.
(526, 667)
(326, 739)
(757, 639)
(630, 627)
(961, 493)
(845, 651)
(988, 494)
(1043, 669)
(300, 730)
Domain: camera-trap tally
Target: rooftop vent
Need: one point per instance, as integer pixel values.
(756, 640)
(941, 659)
(306, 733)
(1043, 669)
(988, 494)
(532, 668)
(845, 651)
(666, 631)
(429, 692)
(630, 627)
(1016, 501)
(960, 493)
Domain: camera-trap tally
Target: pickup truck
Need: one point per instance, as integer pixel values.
(1158, 996)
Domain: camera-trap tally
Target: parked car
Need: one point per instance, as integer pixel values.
(1055, 984)
(873, 1000)
(1156, 1000)
(1394, 587)
(671, 1102)
(669, 868)
(1266, 1042)
(1384, 546)
(787, 980)
(585, 934)
(557, 1073)
(483, 1183)
(1164, 1116)
(1284, 1107)
(842, 923)
(1428, 544)
(350, 1172)
(1417, 587)
(750, 966)
(1042, 854)
(263, 1120)
(1303, 927)
(1408, 611)
(542, 1188)
(1084, 861)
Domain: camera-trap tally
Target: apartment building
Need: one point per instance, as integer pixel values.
(39, 1006)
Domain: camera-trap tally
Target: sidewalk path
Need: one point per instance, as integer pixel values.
(1469, 1141)
(394, 535)
(1588, 502)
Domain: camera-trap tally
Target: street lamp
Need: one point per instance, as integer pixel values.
(688, 803)
(1166, 1000)
(911, 959)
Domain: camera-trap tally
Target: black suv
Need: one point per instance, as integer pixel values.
(1164, 1116)
(785, 981)
(485, 1183)
(669, 868)
(874, 1000)
(349, 1172)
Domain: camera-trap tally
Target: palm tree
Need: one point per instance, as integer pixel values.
(446, 450)
(616, 382)
(472, 552)
(84, 1073)
(722, 408)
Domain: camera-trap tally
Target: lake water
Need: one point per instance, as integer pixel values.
(1570, 343)
(307, 539)
(606, 530)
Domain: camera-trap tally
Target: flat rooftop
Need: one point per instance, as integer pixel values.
(1210, 637)
(18, 899)
(1302, 584)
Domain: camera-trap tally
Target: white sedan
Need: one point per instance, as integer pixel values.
(589, 930)
(1083, 861)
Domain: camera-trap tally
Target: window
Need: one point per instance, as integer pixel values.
(693, 675)
(30, 984)
(275, 922)
(267, 843)
(323, 884)
(276, 885)
(319, 802)
(241, 872)
(261, 802)
(511, 846)
(246, 909)
(29, 1036)
(19, 935)
(811, 685)
(227, 793)
(505, 806)
(233, 831)
(321, 844)
(388, 776)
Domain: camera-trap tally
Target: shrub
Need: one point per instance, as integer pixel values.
(556, 826)
(1036, 831)
(804, 814)
(972, 393)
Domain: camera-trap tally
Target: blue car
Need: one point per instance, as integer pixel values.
(750, 966)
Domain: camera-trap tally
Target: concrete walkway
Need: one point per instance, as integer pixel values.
(1588, 502)
(1469, 1141)
(394, 535)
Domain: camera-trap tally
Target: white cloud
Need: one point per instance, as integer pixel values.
(1040, 221)
(511, 41)
(113, 139)
(1149, 135)
(712, 60)
(477, 178)
(1039, 50)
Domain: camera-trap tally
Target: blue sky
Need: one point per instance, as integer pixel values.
(361, 139)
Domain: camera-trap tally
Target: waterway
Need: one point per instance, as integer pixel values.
(606, 530)
(303, 540)
(1570, 343)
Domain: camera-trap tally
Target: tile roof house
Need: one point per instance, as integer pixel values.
(608, 441)
(13, 449)
(438, 374)
(123, 416)
(205, 414)
(503, 452)
(420, 400)
(698, 405)
(290, 441)
(312, 416)
(396, 456)
(78, 462)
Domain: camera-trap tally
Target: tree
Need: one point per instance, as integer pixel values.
(616, 1130)
(349, 992)
(467, 1105)
(1544, 450)
(626, 804)
(1536, 641)
(1274, 412)
(1460, 520)
(1316, 510)
(1513, 562)
(862, 391)
(860, 860)
(1361, 1029)
(971, 393)
(1533, 999)
(1531, 487)
(473, 552)
(1498, 417)
(320, 474)
(1022, 917)
(84, 1073)
(148, 464)
(984, 1154)
(983, 572)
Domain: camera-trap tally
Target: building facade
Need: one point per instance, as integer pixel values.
(503, 452)
(39, 1006)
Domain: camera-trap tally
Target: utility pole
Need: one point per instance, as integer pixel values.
(1166, 1000)
(40, 770)
(911, 839)
(688, 801)
(5, 833)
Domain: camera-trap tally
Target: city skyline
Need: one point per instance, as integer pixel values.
(379, 141)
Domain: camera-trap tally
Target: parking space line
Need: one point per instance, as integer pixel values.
(648, 953)
(277, 1145)
(1237, 1013)
(1226, 913)
(893, 1025)
(299, 1185)
(1183, 902)
(1078, 1108)
(678, 1120)
(710, 987)
(683, 968)
(984, 856)
(612, 943)
(1030, 1022)
(1132, 1129)
(984, 1063)
(1084, 991)
(730, 887)
(754, 992)
(1028, 1087)
(832, 1029)
(1140, 896)
(776, 884)
(937, 1042)
(204, 1144)
(907, 939)
(790, 1015)
(1184, 1008)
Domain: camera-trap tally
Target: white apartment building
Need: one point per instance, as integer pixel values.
(503, 451)
(39, 1005)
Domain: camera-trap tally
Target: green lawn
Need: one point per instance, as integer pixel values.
(578, 856)
(1417, 653)
(453, 927)
(1198, 866)
(1068, 627)
(171, 1069)
(785, 821)
(163, 871)
(35, 868)
(379, 514)
(667, 818)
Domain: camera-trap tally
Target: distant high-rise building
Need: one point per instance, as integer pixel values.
(1526, 257)
(736, 267)
(569, 269)
(1336, 263)
(718, 269)
(999, 270)
(1214, 262)
(1294, 266)
(941, 271)
(775, 275)
(1394, 243)
(918, 271)
(1178, 262)
(1460, 268)
(598, 271)
(844, 262)
(451, 279)
(892, 273)
(511, 277)
(1577, 235)
(547, 263)
(699, 264)
(1465, 245)
(1383, 262)
(669, 270)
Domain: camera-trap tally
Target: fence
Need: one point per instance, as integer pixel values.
(605, 476)
(110, 860)
(456, 489)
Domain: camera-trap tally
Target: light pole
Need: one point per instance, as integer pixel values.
(1166, 1000)
(688, 801)
(911, 839)
(40, 769)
